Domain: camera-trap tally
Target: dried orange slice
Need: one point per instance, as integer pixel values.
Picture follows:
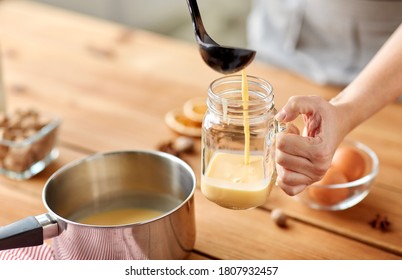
(195, 108)
(180, 123)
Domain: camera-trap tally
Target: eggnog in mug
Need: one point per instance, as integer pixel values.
(231, 183)
(237, 140)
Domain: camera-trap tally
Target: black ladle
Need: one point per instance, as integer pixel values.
(223, 59)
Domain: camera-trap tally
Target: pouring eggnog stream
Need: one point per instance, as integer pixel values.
(237, 142)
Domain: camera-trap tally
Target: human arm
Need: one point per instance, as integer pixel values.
(304, 159)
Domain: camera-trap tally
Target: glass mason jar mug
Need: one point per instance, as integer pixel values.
(238, 167)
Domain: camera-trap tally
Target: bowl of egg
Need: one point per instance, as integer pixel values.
(348, 180)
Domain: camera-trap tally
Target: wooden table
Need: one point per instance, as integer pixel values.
(112, 87)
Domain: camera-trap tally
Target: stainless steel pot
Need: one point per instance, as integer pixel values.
(107, 181)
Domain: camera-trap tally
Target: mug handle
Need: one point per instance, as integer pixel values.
(279, 127)
(30, 231)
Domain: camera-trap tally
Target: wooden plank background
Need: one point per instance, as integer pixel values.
(112, 87)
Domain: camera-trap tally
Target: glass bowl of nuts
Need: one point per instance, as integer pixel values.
(27, 143)
(347, 182)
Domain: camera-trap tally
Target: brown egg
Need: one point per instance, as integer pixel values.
(350, 161)
(326, 196)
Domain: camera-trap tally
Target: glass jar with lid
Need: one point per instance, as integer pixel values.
(238, 166)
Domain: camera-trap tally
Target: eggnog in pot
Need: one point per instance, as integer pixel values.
(237, 139)
(120, 216)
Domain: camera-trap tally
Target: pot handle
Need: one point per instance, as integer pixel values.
(30, 231)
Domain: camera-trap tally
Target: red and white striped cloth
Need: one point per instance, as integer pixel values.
(42, 252)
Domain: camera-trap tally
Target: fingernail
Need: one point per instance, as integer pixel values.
(280, 116)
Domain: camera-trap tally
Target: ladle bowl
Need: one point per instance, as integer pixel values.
(223, 59)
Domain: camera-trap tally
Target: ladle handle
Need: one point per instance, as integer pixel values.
(30, 231)
(198, 25)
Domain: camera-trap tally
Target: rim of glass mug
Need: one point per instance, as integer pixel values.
(224, 97)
